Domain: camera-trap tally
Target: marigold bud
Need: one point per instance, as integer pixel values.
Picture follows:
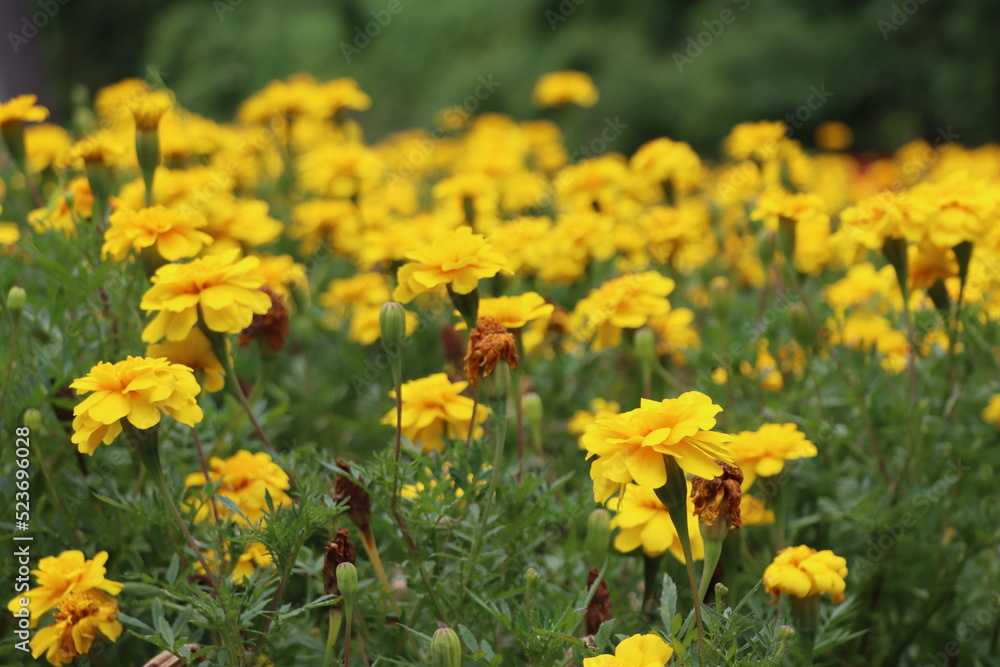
(339, 550)
(32, 419)
(446, 648)
(347, 580)
(598, 534)
(719, 296)
(531, 404)
(16, 298)
(392, 327)
(645, 345)
(803, 330)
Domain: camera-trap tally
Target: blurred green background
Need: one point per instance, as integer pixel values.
(690, 69)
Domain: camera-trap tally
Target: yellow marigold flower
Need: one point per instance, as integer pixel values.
(340, 170)
(137, 389)
(343, 94)
(627, 302)
(282, 272)
(58, 576)
(80, 617)
(300, 94)
(764, 369)
(434, 409)
(885, 215)
(636, 651)
(991, 413)
(149, 109)
(644, 522)
(9, 234)
(675, 332)
(254, 557)
(44, 144)
(101, 147)
(368, 288)
(514, 311)
(764, 451)
(753, 512)
(223, 289)
(325, 221)
(245, 479)
(568, 86)
(22, 109)
(75, 203)
(761, 141)
(776, 203)
(863, 283)
(195, 352)
(459, 259)
(960, 209)
(663, 160)
(832, 135)
(804, 572)
(175, 235)
(630, 446)
(233, 222)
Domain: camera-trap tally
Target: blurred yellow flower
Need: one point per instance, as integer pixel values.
(803, 572)
(644, 522)
(175, 235)
(636, 651)
(137, 389)
(764, 451)
(22, 109)
(246, 479)
(627, 302)
(459, 259)
(565, 87)
(434, 409)
(514, 311)
(195, 352)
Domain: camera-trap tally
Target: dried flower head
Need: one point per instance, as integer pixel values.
(359, 506)
(599, 609)
(339, 550)
(272, 326)
(719, 496)
(489, 343)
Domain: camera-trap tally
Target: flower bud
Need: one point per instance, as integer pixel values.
(786, 632)
(531, 404)
(765, 248)
(786, 238)
(392, 326)
(719, 297)
(598, 534)
(645, 345)
(16, 298)
(531, 577)
(446, 648)
(32, 419)
(347, 580)
(802, 328)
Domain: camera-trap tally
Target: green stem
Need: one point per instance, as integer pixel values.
(333, 629)
(713, 551)
(347, 635)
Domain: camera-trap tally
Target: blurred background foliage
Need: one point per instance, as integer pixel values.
(893, 70)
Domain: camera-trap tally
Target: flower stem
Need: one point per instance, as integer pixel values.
(713, 551)
(333, 629)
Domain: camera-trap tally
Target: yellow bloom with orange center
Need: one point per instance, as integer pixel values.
(22, 109)
(246, 479)
(630, 447)
(174, 234)
(764, 451)
(79, 619)
(636, 651)
(627, 302)
(195, 352)
(434, 409)
(565, 87)
(137, 389)
(223, 289)
(803, 572)
(643, 521)
(459, 259)
(58, 576)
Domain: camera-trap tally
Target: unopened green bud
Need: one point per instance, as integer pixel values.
(392, 326)
(531, 404)
(16, 298)
(446, 648)
(598, 534)
(765, 248)
(802, 327)
(645, 345)
(147, 151)
(33, 419)
(786, 631)
(497, 383)
(347, 581)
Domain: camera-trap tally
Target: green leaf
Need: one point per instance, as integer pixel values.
(134, 622)
(467, 638)
(668, 601)
(164, 629)
(603, 636)
(175, 564)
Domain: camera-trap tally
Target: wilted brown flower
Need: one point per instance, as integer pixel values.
(599, 609)
(719, 496)
(359, 506)
(272, 326)
(489, 343)
(339, 550)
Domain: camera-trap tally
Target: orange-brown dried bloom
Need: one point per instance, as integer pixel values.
(272, 326)
(719, 496)
(599, 609)
(339, 550)
(359, 506)
(489, 343)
